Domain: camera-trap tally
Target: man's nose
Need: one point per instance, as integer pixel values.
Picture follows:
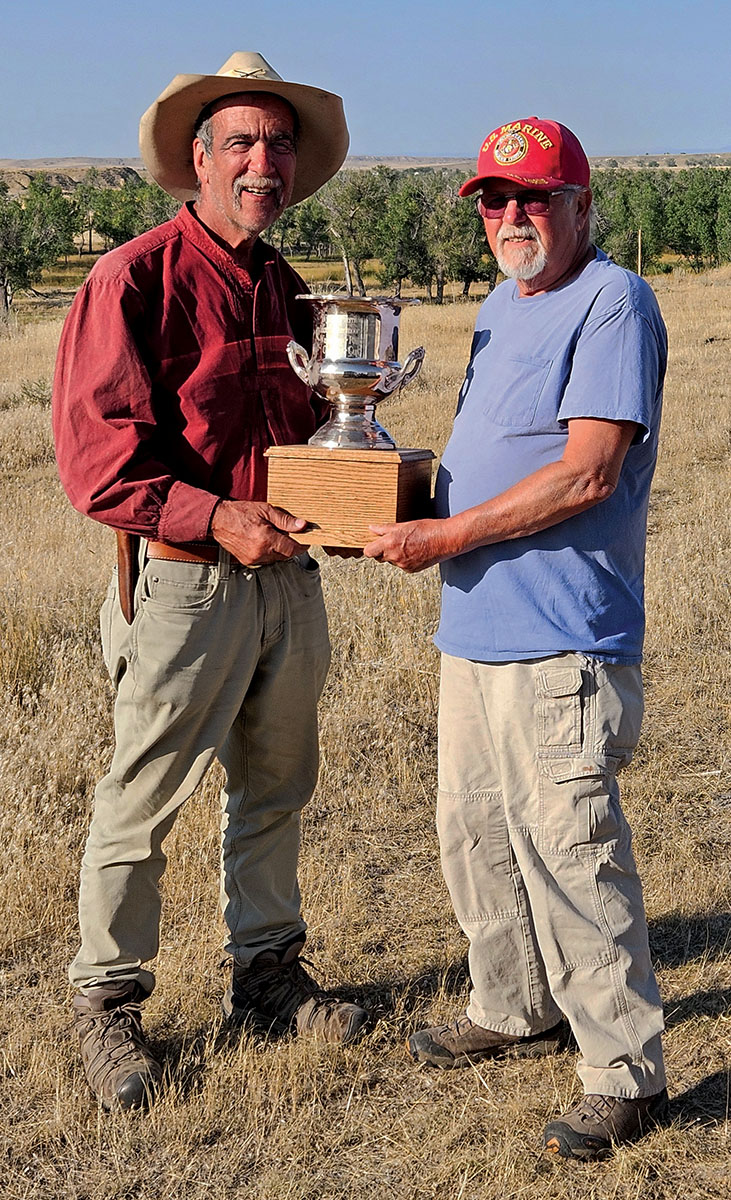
(260, 157)
(514, 214)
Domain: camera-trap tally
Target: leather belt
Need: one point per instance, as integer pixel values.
(193, 552)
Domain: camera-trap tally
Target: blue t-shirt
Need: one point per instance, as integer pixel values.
(596, 347)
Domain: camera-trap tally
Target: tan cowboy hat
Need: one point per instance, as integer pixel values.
(166, 129)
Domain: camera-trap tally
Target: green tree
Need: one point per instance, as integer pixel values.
(627, 202)
(454, 235)
(34, 231)
(352, 201)
(400, 228)
(14, 268)
(470, 260)
(154, 206)
(86, 197)
(283, 232)
(51, 220)
(693, 216)
(724, 218)
(313, 236)
(116, 215)
(123, 213)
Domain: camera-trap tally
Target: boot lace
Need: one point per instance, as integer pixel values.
(279, 988)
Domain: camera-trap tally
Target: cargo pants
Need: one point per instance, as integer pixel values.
(537, 856)
(220, 660)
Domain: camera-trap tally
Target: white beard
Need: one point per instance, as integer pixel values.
(526, 262)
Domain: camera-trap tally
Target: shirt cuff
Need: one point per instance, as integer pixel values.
(186, 514)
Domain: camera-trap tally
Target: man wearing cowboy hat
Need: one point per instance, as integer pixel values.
(541, 501)
(172, 379)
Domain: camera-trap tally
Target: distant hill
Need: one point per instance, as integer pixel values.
(67, 173)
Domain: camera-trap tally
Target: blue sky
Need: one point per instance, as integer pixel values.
(417, 78)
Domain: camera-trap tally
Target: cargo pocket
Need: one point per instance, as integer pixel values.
(580, 808)
(559, 710)
(584, 841)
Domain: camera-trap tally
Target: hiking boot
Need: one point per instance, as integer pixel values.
(589, 1130)
(120, 1069)
(463, 1042)
(275, 994)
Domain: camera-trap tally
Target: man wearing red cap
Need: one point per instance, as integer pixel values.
(541, 505)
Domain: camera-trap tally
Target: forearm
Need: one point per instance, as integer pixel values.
(585, 475)
(550, 495)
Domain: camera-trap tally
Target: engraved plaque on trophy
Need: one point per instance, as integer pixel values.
(351, 474)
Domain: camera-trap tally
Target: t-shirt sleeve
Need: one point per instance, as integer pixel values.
(617, 370)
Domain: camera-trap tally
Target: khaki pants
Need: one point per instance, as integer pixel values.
(536, 853)
(220, 660)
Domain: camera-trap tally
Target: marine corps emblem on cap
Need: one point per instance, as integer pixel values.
(532, 152)
(510, 148)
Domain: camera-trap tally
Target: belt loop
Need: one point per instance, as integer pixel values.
(224, 563)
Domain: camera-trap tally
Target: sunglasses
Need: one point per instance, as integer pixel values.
(531, 201)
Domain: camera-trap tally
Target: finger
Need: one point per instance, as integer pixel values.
(283, 520)
(374, 549)
(287, 547)
(277, 547)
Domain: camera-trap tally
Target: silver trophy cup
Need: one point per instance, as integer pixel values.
(354, 364)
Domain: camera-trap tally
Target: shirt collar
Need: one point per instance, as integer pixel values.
(195, 232)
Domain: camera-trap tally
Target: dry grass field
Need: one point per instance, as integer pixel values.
(290, 1121)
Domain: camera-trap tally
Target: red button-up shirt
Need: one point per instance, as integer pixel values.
(172, 380)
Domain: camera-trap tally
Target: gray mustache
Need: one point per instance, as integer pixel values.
(254, 181)
(524, 232)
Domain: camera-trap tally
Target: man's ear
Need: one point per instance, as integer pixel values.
(585, 199)
(200, 159)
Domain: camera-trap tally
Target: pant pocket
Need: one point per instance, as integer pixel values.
(593, 895)
(178, 586)
(559, 709)
(106, 615)
(580, 807)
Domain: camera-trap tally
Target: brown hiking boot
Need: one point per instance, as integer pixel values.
(589, 1130)
(276, 994)
(463, 1042)
(120, 1069)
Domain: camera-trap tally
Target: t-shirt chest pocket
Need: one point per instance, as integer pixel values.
(512, 387)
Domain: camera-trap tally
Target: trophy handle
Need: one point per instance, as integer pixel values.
(409, 370)
(299, 361)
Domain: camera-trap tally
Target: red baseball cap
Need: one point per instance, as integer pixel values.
(537, 153)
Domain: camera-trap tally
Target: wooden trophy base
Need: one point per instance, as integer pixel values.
(341, 492)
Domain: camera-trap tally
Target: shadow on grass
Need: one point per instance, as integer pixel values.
(186, 1054)
(185, 1057)
(713, 1003)
(705, 1104)
(676, 939)
(385, 996)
